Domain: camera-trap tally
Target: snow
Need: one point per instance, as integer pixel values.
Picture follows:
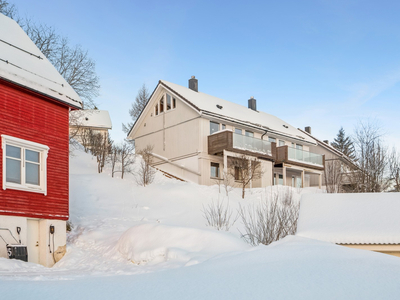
(370, 218)
(20, 63)
(131, 242)
(91, 118)
(208, 105)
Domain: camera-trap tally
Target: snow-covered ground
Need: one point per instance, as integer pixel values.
(131, 242)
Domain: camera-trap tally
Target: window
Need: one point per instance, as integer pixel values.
(223, 126)
(173, 102)
(238, 131)
(169, 102)
(156, 109)
(271, 139)
(281, 143)
(24, 165)
(300, 147)
(162, 105)
(280, 180)
(249, 133)
(214, 127)
(238, 173)
(215, 170)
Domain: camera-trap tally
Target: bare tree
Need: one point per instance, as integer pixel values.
(270, 221)
(72, 62)
(146, 173)
(126, 157)
(9, 10)
(244, 170)
(114, 158)
(394, 169)
(219, 215)
(372, 159)
(333, 175)
(141, 100)
(228, 182)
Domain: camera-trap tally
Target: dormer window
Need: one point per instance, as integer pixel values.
(162, 105)
(169, 102)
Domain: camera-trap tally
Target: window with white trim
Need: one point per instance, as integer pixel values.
(24, 165)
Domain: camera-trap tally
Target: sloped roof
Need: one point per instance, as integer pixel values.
(23, 63)
(91, 118)
(331, 148)
(369, 218)
(207, 104)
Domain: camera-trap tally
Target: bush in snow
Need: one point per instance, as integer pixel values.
(272, 220)
(146, 173)
(219, 215)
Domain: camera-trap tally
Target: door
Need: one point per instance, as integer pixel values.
(33, 241)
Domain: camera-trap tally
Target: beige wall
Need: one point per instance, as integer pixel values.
(386, 249)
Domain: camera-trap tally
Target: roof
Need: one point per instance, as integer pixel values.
(21, 62)
(328, 147)
(207, 105)
(91, 118)
(369, 218)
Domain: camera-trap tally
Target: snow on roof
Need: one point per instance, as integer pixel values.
(330, 148)
(369, 218)
(24, 64)
(237, 113)
(91, 118)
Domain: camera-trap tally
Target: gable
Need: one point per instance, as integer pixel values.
(149, 121)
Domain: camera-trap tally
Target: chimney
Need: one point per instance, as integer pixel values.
(194, 84)
(326, 142)
(307, 129)
(252, 103)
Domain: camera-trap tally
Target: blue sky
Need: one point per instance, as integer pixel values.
(323, 64)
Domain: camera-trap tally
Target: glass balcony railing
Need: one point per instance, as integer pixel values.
(249, 143)
(304, 156)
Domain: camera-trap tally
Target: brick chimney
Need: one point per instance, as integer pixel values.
(252, 103)
(194, 84)
(307, 129)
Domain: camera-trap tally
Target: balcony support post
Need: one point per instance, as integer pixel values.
(284, 174)
(302, 178)
(225, 164)
(320, 181)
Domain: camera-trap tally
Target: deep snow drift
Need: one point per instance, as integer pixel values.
(130, 242)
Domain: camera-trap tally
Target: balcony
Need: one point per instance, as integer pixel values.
(227, 140)
(299, 157)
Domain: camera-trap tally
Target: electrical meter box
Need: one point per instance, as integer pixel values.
(17, 252)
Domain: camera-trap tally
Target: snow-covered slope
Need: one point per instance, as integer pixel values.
(131, 242)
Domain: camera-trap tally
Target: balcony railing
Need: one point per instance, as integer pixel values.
(248, 143)
(229, 141)
(305, 156)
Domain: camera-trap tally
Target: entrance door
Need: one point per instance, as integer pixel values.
(33, 241)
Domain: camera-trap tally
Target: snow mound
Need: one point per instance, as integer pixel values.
(155, 242)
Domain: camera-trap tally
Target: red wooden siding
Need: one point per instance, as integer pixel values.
(33, 117)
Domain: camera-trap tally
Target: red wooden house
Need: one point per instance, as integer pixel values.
(35, 101)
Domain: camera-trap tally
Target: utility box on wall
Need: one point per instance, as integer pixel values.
(17, 252)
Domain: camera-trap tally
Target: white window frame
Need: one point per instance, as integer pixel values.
(28, 145)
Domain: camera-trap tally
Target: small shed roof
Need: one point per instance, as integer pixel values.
(91, 118)
(368, 218)
(21, 62)
(220, 108)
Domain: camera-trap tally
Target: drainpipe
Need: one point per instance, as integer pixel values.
(264, 134)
